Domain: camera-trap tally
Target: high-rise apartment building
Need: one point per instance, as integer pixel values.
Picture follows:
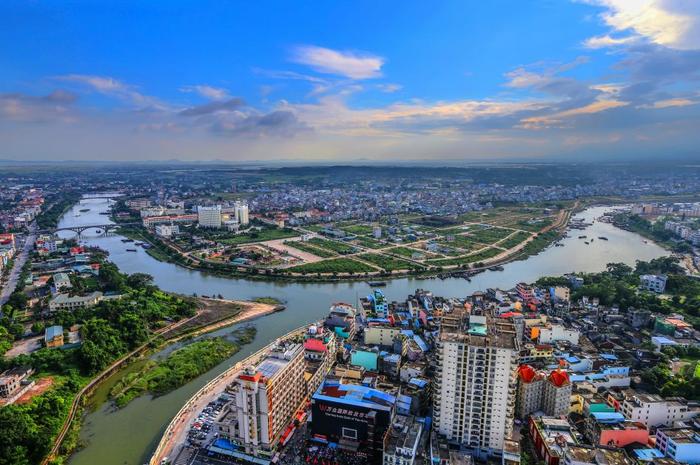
(539, 393)
(209, 217)
(474, 400)
(240, 211)
(266, 398)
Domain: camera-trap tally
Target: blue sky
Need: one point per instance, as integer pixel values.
(340, 81)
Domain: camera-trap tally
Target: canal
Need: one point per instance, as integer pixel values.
(129, 435)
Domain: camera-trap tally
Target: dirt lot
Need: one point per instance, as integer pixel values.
(25, 346)
(40, 386)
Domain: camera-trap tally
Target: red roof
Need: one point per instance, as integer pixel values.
(511, 314)
(559, 378)
(315, 345)
(527, 373)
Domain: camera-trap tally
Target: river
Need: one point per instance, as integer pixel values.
(129, 435)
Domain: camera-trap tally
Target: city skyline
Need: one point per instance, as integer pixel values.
(564, 81)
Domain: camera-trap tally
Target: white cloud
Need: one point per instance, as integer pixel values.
(671, 23)
(349, 64)
(208, 92)
(607, 40)
(109, 86)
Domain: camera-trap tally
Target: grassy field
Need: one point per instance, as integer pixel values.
(404, 251)
(489, 235)
(306, 247)
(259, 236)
(477, 257)
(335, 265)
(388, 263)
(333, 246)
(369, 243)
(514, 240)
(357, 229)
(463, 242)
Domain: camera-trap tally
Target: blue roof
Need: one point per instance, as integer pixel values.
(423, 346)
(407, 332)
(572, 359)
(359, 396)
(421, 383)
(608, 357)
(648, 454)
(53, 331)
(608, 417)
(663, 340)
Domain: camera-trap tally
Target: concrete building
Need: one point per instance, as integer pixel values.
(167, 230)
(266, 398)
(556, 394)
(241, 213)
(66, 302)
(381, 335)
(653, 410)
(474, 399)
(11, 381)
(530, 384)
(680, 444)
(61, 281)
(613, 430)
(354, 416)
(551, 437)
(653, 282)
(209, 217)
(402, 440)
(558, 333)
(549, 394)
(53, 336)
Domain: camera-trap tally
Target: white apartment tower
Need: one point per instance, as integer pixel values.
(241, 213)
(266, 398)
(209, 217)
(475, 388)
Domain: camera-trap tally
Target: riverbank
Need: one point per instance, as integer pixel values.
(128, 436)
(159, 377)
(174, 435)
(211, 315)
(539, 241)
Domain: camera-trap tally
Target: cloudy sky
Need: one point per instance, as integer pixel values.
(349, 80)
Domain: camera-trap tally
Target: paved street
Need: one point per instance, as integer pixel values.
(20, 260)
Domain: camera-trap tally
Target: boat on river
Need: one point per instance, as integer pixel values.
(376, 283)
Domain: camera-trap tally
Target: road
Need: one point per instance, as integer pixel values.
(20, 260)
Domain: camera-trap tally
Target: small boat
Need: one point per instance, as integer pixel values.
(127, 240)
(582, 237)
(131, 250)
(602, 238)
(98, 231)
(376, 283)
(587, 243)
(496, 268)
(83, 210)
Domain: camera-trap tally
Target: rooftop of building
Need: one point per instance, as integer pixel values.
(404, 433)
(478, 330)
(584, 454)
(681, 435)
(355, 394)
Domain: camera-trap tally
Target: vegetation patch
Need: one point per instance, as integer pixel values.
(336, 265)
(334, 246)
(306, 247)
(389, 263)
(181, 366)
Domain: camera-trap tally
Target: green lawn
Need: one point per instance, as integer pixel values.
(489, 235)
(477, 257)
(335, 265)
(370, 243)
(260, 236)
(405, 251)
(333, 246)
(357, 229)
(306, 247)
(388, 263)
(514, 240)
